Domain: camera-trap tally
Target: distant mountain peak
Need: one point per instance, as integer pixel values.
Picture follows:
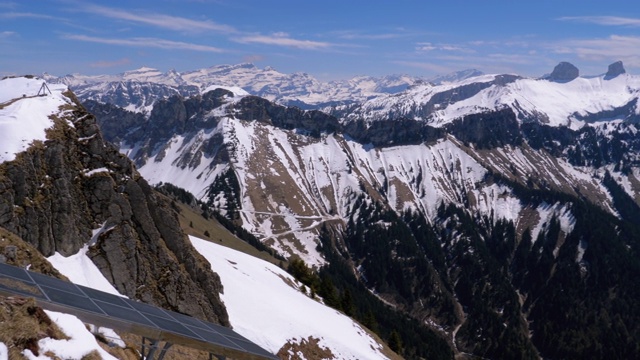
(564, 72)
(615, 69)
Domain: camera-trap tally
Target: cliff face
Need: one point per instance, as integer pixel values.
(74, 189)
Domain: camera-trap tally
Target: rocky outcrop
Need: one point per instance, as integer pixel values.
(564, 72)
(615, 69)
(58, 192)
(312, 122)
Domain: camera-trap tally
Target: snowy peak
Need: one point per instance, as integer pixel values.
(300, 89)
(561, 99)
(28, 107)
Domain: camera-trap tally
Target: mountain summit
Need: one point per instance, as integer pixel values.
(615, 69)
(564, 72)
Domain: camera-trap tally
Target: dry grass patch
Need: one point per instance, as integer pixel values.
(196, 225)
(25, 254)
(305, 349)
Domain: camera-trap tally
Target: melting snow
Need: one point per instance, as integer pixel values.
(82, 271)
(282, 312)
(81, 341)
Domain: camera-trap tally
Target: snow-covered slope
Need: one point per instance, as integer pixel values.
(24, 115)
(571, 103)
(291, 184)
(266, 305)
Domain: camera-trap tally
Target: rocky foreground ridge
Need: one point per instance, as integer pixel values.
(74, 189)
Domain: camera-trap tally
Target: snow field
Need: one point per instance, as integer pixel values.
(26, 119)
(81, 341)
(265, 308)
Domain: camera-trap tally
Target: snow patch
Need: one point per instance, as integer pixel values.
(82, 271)
(24, 119)
(236, 90)
(81, 341)
(283, 312)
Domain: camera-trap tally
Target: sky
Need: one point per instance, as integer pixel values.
(328, 39)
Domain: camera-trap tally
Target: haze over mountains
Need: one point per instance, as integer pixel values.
(135, 91)
(470, 215)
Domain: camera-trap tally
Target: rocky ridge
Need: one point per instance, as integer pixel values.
(431, 219)
(137, 90)
(75, 189)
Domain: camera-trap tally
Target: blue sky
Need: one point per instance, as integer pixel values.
(328, 39)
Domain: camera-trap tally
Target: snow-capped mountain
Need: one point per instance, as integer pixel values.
(551, 101)
(499, 213)
(73, 197)
(421, 211)
(137, 90)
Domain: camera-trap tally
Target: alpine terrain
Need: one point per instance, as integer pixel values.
(466, 216)
(499, 213)
(68, 195)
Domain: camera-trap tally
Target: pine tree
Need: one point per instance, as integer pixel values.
(395, 342)
(346, 301)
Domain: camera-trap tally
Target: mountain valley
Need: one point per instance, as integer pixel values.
(467, 216)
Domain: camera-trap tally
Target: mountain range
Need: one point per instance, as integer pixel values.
(138, 89)
(474, 215)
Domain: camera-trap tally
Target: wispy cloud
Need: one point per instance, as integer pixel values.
(6, 34)
(282, 39)
(147, 42)
(615, 47)
(106, 63)
(427, 46)
(604, 20)
(357, 35)
(160, 20)
(18, 15)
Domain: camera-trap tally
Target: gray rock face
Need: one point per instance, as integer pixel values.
(615, 69)
(57, 192)
(564, 72)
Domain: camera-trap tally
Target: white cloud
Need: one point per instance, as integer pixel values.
(160, 20)
(427, 46)
(147, 42)
(604, 20)
(6, 34)
(356, 35)
(282, 39)
(18, 15)
(615, 47)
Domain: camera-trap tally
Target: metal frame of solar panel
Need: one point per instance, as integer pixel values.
(108, 310)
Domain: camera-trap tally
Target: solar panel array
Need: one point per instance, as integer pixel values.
(15, 280)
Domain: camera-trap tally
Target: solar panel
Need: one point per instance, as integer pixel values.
(94, 304)
(21, 287)
(104, 297)
(148, 309)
